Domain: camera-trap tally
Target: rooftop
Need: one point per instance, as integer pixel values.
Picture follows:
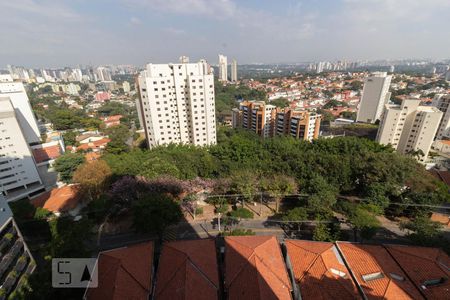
(320, 271)
(124, 273)
(254, 268)
(377, 272)
(58, 200)
(188, 270)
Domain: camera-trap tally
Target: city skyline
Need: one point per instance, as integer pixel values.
(39, 33)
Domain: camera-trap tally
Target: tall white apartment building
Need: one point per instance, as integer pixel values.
(103, 74)
(177, 104)
(223, 68)
(442, 102)
(234, 76)
(18, 174)
(375, 95)
(409, 127)
(19, 99)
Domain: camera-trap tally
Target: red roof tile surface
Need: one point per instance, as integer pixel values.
(47, 153)
(61, 199)
(422, 264)
(94, 145)
(254, 268)
(124, 273)
(320, 271)
(188, 270)
(371, 260)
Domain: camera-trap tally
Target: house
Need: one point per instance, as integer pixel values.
(444, 219)
(112, 120)
(46, 153)
(320, 271)
(188, 270)
(428, 268)
(63, 200)
(94, 146)
(124, 273)
(376, 273)
(254, 268)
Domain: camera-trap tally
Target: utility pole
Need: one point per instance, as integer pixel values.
(260, 203)
(218, 220)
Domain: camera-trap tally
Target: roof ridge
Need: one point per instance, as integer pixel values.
(234, 240)
(272, 237)
(311, 264)
(135, 279)
(237, 273)
(171, 278)
(272, 271)
(201, 272)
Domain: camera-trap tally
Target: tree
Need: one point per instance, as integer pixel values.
(67, 164)
(280, 102)
(278, 186)
(69, 138)
(241, 213)
(119, 135)
(244, 183)
(93, 177)
(296, 214)
(322, 233)
(364, 222)
(153, 213)
(238, 232)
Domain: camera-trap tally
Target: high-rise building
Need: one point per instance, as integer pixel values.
(300, 124)
(442, 102)
(234, 76)
(223, 68)
(319, 68)
(177, 104)
(18, 174)
(409, 127)
(126, 87)
(103, 74)
(374, 96)
(267, 120)
(19, 99)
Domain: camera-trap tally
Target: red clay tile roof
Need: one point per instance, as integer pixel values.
(422, 264)
(375, 260)
(47, 153)
(441, 218)
(92, 156)
(444, 176)
(188, 270)
(61, 199)
(254, 268)
(317, 267)
(94, 145)
(124, 273)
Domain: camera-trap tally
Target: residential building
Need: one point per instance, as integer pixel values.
(223, 68)
(234, 76)
(15, 91)
(124, 273)
(427, 268)
(267, 120)
(409, 127)
(103, 74)
(19, 177)
(126, 87)
(319, 271)
(17, 263)
(60, 201)
(111, 121)
(300, 124)
(256, 116)
(442, 103)
(177, 104)
(188, 270)
(374, 96)
(376, 273)
(254, 269)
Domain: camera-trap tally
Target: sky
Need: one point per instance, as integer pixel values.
(57, 33)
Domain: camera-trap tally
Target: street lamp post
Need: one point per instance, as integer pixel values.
(218, 220)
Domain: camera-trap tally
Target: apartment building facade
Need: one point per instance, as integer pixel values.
(374, 96)
(409, 127)
(223, 68)
(19, 177)
(15, 91)
(442, 102)
(268, 120)
(177, 104)
(234, 76)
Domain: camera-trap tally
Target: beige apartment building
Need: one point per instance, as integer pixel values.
(409, 127)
